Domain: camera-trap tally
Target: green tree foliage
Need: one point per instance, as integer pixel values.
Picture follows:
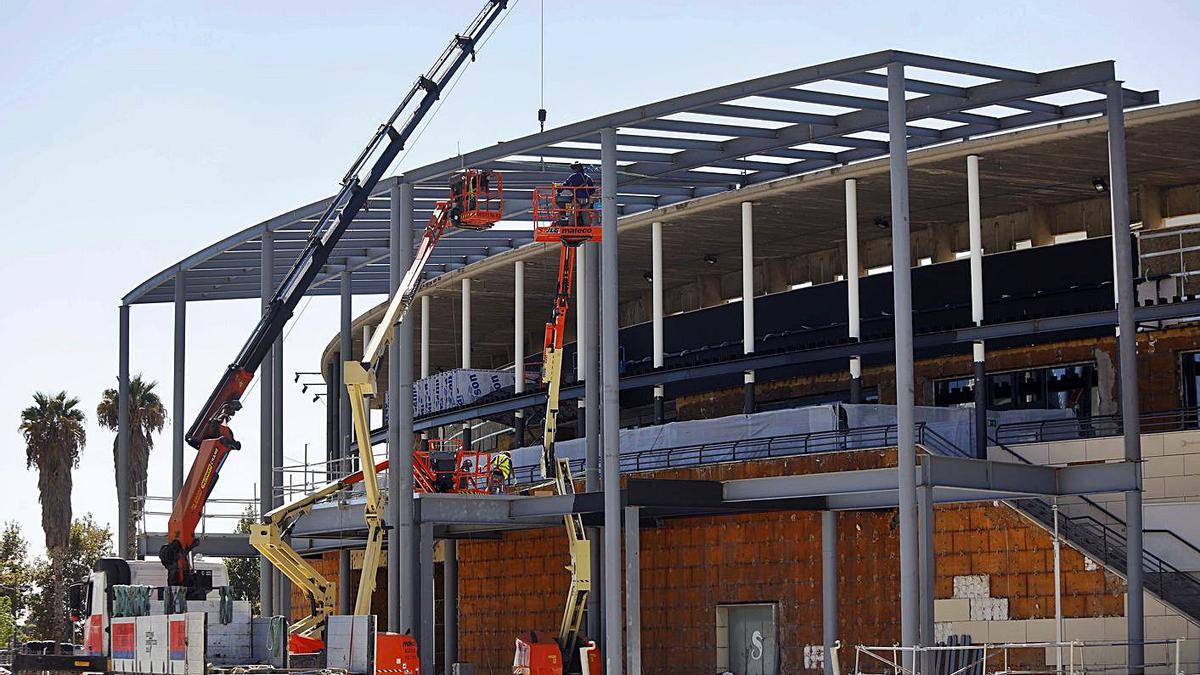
(147, 416)
(243, 572)
(16, 578)
(54, 436)
(88, 542)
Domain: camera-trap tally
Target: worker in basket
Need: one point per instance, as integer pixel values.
(574, 195)
(501, 472)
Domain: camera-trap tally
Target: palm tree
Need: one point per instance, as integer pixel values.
(54, 437)
(147, 416)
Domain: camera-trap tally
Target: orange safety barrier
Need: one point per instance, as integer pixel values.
(566, 214)
(476, 199)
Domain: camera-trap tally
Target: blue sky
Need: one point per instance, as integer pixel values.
(132, 134)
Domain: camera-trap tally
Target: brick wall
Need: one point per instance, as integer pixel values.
(1158, 370)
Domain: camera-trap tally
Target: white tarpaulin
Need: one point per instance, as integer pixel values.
(458, 387)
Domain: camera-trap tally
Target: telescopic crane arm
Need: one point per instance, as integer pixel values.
(210, 433)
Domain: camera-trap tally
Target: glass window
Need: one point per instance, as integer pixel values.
(954, 392)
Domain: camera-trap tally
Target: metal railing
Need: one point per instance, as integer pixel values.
(769, 447)
(985, 658)
(1096, 426)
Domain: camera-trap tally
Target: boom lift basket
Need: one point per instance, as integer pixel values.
(444, 466)
(477, 198)
(566, 214)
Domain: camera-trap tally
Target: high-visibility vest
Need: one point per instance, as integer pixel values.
(502, 462)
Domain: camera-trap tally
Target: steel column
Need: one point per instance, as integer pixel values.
(610, 406)
(829, 586)
(401, 559)
(124, 536)
(656, 279)
(179, 415)
(282, 585)
(345, 601)
(450, 603)
(633, 590)
(425, 366)
(1118, 185)
(466, 349)
(748, 302)
(928, 573)
(266, 450)
(519, 348)
(902, 311)
(975, 227)
(345, 460)
(425, 593)
(853, 313)
(589, 261)
(590, 308)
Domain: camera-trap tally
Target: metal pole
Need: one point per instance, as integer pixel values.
(179, 423)
(123, 533)
(1127, 359)
(748, 302)
(853, 312)
(466, 349)
(266, 451)
(928, 561)
(400, 422)
(346, 423)
(656, 278)
(1058, 616)
(633, 590)
(591, 385)
(425, 593)
(450, 603)
(829, 585)
(519, 348)
(333, 422)
(610, 406)
(425, 366)
(589, 273)
(979, 352)
(902, 310)
(585, 333)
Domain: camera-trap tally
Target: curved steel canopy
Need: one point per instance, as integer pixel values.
(674, 150)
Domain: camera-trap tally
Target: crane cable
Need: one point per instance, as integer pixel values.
(541, 114)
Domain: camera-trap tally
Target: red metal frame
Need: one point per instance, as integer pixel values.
(479, 197)
(427, 477)
(566, 214)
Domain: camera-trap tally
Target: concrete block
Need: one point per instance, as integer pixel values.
(1109, 447)
(972, 586)
(1152, 445)
(1167, 465)
(1036, 453)
(1066, 452)
(952, 609)
(1040, 630)
(1115, 628)
(1152, 607)
(1007, 631)
(1096, 655)
(978, 630)
(942, 631)
(1191, 463)
(1181, 486)
(1181, 443)
(1091, 628)
(1154, 488)
(989, 609)
(1165, 627)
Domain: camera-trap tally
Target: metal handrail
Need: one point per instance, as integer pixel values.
(767, 447)
(1041, 431)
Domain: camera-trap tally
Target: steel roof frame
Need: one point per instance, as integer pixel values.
(675, 150)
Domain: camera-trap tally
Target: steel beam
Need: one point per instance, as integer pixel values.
(656, 292)
(853, 312)
(747, 303)
(402, 556)
(346, 316)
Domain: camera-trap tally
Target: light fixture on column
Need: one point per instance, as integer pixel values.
(1099, 185)
(710, 259)
(648, 276)
(882, 223)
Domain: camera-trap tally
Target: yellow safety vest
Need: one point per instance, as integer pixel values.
(502, 463)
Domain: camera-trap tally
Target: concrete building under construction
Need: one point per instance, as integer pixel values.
(891, 350)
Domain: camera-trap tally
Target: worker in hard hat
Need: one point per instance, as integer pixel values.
(501, 472)
(575, 194)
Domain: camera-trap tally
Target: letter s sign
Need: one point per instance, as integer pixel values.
(756, 652)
